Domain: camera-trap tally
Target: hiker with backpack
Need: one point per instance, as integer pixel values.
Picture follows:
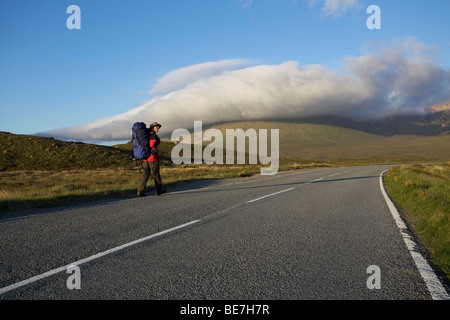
(146, 143)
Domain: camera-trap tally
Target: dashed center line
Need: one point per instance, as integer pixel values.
(93, 257)
(115, 249)
(314, 181)
(269, 195)
(335, 174)
(275, 193)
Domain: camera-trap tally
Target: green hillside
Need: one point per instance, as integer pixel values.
(327, 142)
(40, 172)
(335, 140)
(27, 152)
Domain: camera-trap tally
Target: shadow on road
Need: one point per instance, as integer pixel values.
(208, 188)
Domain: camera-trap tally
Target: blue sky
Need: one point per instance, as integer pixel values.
(52, 77)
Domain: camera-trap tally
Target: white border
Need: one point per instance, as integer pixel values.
(434, 286)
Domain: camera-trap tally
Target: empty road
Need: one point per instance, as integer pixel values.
(316, 234)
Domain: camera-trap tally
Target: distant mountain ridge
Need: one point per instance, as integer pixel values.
(325, 138)
(433, 123)
(330, 137)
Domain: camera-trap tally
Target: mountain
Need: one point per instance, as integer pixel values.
(420, 137)
(415, 138)
(435, 122)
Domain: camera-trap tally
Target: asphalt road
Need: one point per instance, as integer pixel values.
(305, 235)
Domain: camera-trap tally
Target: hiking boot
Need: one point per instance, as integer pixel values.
(161, 192)
(141, 194)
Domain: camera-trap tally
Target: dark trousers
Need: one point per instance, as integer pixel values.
(150, 167)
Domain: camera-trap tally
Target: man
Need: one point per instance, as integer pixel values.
(151, 164)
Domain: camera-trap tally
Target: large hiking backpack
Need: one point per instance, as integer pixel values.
(141, 136)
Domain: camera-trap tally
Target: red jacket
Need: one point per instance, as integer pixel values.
(154, 142)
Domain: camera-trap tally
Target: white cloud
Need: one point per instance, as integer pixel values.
(336, 8)
(179, 78)
(246, 3)
(401, 78)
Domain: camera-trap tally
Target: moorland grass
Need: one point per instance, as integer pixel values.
(40, 189)
(422, 193)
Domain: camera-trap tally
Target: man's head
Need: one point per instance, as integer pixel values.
(155, 126)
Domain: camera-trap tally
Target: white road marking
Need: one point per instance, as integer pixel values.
(104, 253)
(93, 257)
(434, 286)
(314, 181)
(272, 194)
(332, 175)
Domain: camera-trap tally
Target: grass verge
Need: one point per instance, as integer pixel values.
(21, 190)
(27, 189)
(422, 193)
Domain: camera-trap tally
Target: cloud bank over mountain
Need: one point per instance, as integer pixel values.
(400, 78)
(179, 78)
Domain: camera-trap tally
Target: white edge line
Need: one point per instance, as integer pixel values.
(93, 257)
(269, 195)
(434, 286)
